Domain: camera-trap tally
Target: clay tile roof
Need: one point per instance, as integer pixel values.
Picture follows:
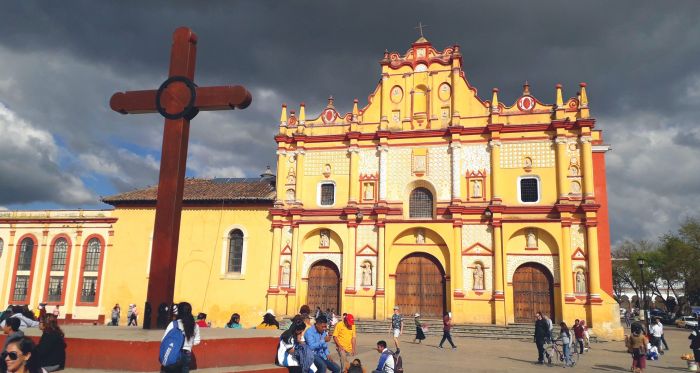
(205, 190)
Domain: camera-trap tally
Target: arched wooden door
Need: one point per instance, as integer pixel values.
(324, 286)
(420, 286)
(533, 291)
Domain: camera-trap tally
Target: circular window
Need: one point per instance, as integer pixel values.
(444, 92)
(396, 94)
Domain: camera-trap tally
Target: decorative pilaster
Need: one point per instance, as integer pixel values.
(455, 148)
(295, 257)
(300, 155)
(457, 274)
(593, 261)
(495, 146)
(349, 256)
(562, 163)
(383, 160)
(498, 261)
(587, 154)
(565, 262)
(275, 259)
(281, 175)
(354, 151)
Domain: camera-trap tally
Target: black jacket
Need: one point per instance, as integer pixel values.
(541, 330)
(51, 350)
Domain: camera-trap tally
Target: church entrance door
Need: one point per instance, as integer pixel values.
(533, 291)
(420, 286)
(324, 286)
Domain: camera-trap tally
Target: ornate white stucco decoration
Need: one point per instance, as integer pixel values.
(310, 259)
(476, 157)
(368, 162)
(578, 237)
(367, 235)
(315, 161)
(542, 154)
(439, 170)
(549, 261)
(472, 234)
(468, 263)
(398, 172)
(358, 271)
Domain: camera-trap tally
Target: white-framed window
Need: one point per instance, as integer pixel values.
(326, 193)
(234, 251)
(529, 189)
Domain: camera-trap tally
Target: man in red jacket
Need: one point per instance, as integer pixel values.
(579, 333)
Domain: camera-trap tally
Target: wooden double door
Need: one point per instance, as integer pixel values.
(420, 286)
(324, 286)
(533, 291)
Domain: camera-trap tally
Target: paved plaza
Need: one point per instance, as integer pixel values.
(477, 355)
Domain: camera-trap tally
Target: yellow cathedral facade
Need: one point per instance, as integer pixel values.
(429, 198)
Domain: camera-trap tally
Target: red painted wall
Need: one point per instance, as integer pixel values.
(601, 195)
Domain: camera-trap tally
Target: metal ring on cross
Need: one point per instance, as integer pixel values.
(189, 111)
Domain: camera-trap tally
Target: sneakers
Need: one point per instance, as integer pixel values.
(440, 347)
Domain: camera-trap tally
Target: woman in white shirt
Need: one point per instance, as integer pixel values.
(185, 321)
(290, 341)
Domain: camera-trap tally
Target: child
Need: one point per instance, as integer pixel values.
(356, 367)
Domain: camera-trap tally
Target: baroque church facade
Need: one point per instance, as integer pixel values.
(429, 198)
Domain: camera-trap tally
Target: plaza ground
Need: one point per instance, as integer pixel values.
(484, 355)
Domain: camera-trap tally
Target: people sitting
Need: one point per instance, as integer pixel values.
(292, 352)
(18, 357)
(51, 350)
(269, 321)
(202, 320)
(235, 322)
(11, 328)
(356, 367)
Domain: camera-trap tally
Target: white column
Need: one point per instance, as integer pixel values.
(456, 149)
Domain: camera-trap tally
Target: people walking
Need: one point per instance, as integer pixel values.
(695, 343)
(637, 347)
(627, 318)
(446, 330)
(586, 336)
(541, 335)
(116, 311)
(578, 333)
(51, 350)
(185, 322)
(656, 330)
(133, 315)
(565, 335)
(317, 339)
(420, 334)
(345, 338)
(396, 327)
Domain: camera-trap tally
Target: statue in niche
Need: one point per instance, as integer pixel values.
(531, 239)
(580, 281)
(478, 277)
(420, 236)
(325, 238)
(367, 274)
(573, 171)
(326, 170)
(369, 191)
(286, 273)
(575, 187)
(528, 162)
(477, 188)
(290, 194)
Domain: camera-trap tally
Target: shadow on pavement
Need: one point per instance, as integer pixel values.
(521, 360)
(609, 368)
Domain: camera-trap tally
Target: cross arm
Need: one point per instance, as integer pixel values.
(207, 99)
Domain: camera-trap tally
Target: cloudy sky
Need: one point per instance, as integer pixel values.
(62, 60)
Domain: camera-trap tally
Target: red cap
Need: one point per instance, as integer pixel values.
(350, 319)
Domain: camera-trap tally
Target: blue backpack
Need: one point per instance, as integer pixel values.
(171, 346)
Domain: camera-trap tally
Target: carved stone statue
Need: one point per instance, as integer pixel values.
(477, 188)
(478, 277)
(420, 236)
(531, 239)
(325, 238)
(290, 194)
(369, 191)
(367, 274)
(291, 176)
(580, 281)
(286, 271)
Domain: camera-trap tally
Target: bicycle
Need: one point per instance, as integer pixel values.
(556, 348)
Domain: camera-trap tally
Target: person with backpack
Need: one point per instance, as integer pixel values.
(386, 362)
(292, 353)
(179, 338)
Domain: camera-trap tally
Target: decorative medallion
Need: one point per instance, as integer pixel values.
(526, 103)
(444, 92)
(326, 170)
(396, 94)
(328, 116)
(420, 53)
(421, 68)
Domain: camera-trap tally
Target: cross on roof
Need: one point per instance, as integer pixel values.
(420, 27)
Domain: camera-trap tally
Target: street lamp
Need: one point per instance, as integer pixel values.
(640, 262)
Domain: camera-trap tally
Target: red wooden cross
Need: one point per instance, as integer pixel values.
(178, 99)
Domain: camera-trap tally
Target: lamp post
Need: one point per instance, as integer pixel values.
(640, 262)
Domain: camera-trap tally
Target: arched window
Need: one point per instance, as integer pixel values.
(22, 285)
(421, 203)
(235, 251)
(91, 272)
(55, 283)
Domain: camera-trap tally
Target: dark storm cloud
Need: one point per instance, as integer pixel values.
(63, 60)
